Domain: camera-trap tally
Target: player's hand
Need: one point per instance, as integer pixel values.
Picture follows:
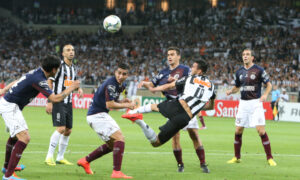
(228, 92)
(141, 84)
(263, 98)
(80, 92)
(171, 79)
(75, 84)
(131, 105)
(49, 107)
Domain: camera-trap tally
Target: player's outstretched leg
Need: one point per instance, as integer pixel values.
(143, 109)
(237, 149)
(202, 122)
(267, 146)
(97, 153)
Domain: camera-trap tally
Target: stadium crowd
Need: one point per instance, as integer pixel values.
(217, 35)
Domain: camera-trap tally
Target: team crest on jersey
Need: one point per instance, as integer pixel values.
(241, 77)
(111, 88)
(252, 76)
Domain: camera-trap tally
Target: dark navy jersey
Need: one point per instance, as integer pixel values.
(250, 80)
(109, 91)
(162, 78)
(28, 87)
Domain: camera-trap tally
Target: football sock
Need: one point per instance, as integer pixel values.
(142, 109)
(267, 145)
(97, 153)
(201, 154)
(63, 144)
(9, 146)
(202, 121)
(53, 143)
(238, 145)
(148, 131)
(118, 154)
(15, 157)
(178, 155)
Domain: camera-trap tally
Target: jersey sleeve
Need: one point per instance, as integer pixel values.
(180, 83)
(237, 79)
(265, 77)
(156, 79)
(110, 91)
(43, 87)
(187, 71)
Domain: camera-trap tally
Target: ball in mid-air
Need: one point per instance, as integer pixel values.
(112, 23)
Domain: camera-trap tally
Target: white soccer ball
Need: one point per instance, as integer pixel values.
(112, 23)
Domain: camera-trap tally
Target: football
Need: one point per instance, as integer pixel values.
(112, 23)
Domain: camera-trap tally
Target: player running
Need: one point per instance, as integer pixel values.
(20, 93)
(105, 98)
(248, 80)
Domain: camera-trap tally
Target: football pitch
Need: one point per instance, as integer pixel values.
(144, 162)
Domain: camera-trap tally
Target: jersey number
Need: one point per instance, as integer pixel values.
(199, 93)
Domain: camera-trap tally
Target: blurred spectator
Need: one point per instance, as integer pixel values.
(284, 97)
(2, 84)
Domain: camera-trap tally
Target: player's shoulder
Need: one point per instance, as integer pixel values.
(258, 67)
(183, 67)
(165, 70)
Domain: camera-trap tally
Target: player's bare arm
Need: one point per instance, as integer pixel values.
(119, 105)
(6, 88)
(267, 91)
(210, 105)
(49, 105)
(145, 84)
(80, 92)
(232, 90)
(163, 87)
(59, 97)
(125, 100)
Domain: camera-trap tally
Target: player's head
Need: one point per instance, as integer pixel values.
(199, 67)
(68, 52)
(248, 56)
(121, 72)
(50, 64)
(173, 56)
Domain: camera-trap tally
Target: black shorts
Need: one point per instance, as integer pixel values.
(62, 115)
(177, 119)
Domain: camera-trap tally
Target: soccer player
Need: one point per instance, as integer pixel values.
(248, 79)
(177, 71)
(19, 94)
(106, 98)
(196, 90)
(62, 113)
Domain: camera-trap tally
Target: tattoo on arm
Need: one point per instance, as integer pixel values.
(63, 95)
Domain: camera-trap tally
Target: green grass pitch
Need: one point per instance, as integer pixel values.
(144, 162)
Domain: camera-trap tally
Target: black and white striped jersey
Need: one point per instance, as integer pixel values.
(196, 91)
(64, 77)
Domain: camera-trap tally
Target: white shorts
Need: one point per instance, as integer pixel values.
(13, 117)
(250, 114)
(193, 124)
(103, 124)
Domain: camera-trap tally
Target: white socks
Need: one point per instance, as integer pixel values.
(63, 144)
(142, 109)
(148, 131)
(53, 143)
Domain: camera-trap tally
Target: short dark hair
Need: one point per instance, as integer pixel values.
(123, 66)
(175, 49)
(49, 62)
(202, 65)
(251, 51)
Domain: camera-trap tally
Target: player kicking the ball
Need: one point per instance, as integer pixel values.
(105, 98)
(196, 90)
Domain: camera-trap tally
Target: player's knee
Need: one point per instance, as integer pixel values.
(193, 135)
(67, 132)
(61, 129)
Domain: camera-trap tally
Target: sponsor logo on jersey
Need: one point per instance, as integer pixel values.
(203, 83)
(248, 88)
